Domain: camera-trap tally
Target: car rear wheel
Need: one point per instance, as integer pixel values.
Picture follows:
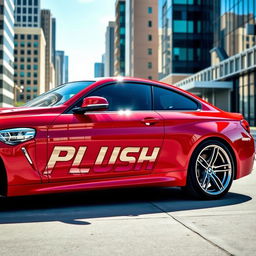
(211, 171)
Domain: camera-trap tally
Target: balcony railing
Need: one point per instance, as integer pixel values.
(234, 65)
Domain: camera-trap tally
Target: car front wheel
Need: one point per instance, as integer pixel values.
(211, 171)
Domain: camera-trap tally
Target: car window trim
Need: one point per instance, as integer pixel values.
(152, 84)
(199, 106)
(69, 109)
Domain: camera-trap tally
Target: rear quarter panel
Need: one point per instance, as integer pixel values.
(184, 131)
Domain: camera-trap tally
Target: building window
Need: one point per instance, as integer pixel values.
(29, 10)
(150, 77)
(35, 52)
(22, 52)
(29, 52)
(24, 10)
(28, 67)
(35, 59)
(150, 65)
(35, 82)
(35, 75)
(35, 67)
(183, 26)
(24, 19)
(149, 37)
(22, 44)
(29, 44)
(22, 36)
(150, 51)
(150, 10)
(35, 37)
(22, 74)
(35, 44)
(28, 59)
(183, 1)
(150, 23)
(28, 82)
(122, 31)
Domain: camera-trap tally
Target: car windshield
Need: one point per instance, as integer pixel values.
(59, 95)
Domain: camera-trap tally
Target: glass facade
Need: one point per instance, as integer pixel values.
(234, 32)
(121, 37)
(6, 52)
(26, 66)
(187, 35)
(27, 13)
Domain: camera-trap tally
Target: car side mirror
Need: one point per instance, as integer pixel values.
(93, 103)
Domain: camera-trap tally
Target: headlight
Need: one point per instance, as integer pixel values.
(16, 135)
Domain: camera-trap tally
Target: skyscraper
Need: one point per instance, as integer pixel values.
(231, 80)
(62, 68)
(27, 13)
(98, 69)
(29, 63)
(46, 24)
(53, 40)
(187, 37)
(141, 43)
(109, 50)
(6, 52)
(59, 66)
(120, 39)
(66, 69)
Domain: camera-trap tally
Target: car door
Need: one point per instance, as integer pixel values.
(181, 115)
(123, 141)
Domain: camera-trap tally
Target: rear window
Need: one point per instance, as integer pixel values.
(165, 99)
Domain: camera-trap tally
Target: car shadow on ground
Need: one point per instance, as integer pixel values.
(75, 208)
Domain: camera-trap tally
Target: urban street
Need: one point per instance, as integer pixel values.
(146, 221)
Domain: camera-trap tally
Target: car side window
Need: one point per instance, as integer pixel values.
(125, 96)
(165, 99)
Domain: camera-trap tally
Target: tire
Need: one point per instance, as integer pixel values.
(211, 171)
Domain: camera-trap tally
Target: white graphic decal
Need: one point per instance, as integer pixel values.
(136, 157)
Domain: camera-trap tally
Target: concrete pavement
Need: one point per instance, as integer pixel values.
(130, 222)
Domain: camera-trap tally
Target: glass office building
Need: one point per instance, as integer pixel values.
(27, 13)
(235, 32)
(232, 74)
(187, 35)
(6, 52)
(120, 38)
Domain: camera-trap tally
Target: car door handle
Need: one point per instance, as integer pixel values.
(150, 120)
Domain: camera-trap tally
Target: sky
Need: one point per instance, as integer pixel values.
(81, 27)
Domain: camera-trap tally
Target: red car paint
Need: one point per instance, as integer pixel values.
(106, 149)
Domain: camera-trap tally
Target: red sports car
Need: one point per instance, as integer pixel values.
(121, 132)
